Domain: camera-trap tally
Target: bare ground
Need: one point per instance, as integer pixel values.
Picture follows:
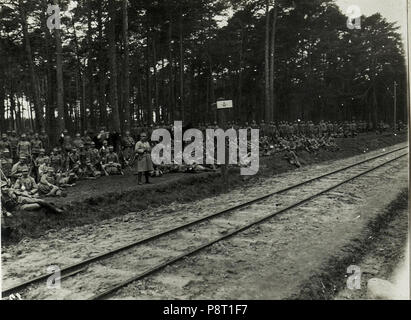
(288, 258)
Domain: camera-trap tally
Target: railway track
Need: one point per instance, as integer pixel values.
(142, 258)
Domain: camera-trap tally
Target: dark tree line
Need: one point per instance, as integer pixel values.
(119, 63)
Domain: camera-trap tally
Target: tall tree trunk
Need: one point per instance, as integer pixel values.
(272, 56)
(374, 106)
(50, 82)
(90, 67)
(13, 114)
(157, 105)
(170, 72)
(59, 73)
(240, 76)
(81, 80)
(18, 115)
(267, 61)
(181, 65)
(113, 66)
(126, 70)
(149, 115)
(33, 79)
(102, 72)
(2, 99)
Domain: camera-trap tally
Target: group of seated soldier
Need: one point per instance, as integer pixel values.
(108, 153)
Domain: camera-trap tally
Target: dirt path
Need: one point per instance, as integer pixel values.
(294, 244)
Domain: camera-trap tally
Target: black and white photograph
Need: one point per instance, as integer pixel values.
(223, 151)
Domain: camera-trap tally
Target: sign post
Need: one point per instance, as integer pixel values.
(395, 107)
(222, 107)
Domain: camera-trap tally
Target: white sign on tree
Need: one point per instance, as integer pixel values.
(224, 104)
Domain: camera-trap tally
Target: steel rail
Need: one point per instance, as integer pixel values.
(171, 261)
(110, 253)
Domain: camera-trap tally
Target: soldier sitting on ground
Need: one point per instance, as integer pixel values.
(25, 183)
(73, 159)
(111, 163)
(48, 184)
(87, 169)
(43, 168)
(14, 199)
(56, 160)
(291, 157)
(16, 170)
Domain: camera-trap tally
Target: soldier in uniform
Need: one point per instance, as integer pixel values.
(25, 182)
(12, 199)
(4, 143)
(6, 162)
(72, 160)
(103, 135)
(45, 140)
(17, 168)
(48, 184)
(39, 161)
(87, 137)
(111, 163)
(144, 163)
(56, 160)
(14, 141)
(36, 145)
(95, 158)
(127, 144)
(66, 142)
(30, 135)
(78, 141)
(24, 147)
(43, 168)
(87, 167)
(104, 149)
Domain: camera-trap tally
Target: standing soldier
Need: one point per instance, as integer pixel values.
(67, 144)
(6, 162)
(36, 145)
(127, 144)
(14, 141)
(144, 163)
(4, 143)
(30, 135)
(24, 147)
(45, 140)
(263, 129)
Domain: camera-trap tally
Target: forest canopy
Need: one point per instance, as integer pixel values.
(120, 64)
